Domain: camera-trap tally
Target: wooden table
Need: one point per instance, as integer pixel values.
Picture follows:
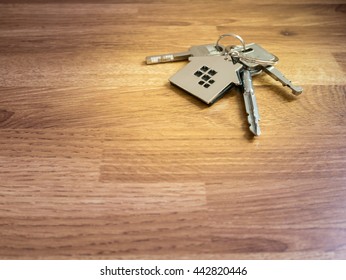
(102, 158)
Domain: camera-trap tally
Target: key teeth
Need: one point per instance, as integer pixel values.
(255, 130)
(151, 59)
(159, 59)
(254, 126)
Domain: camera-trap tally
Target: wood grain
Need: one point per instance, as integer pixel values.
(101, 158)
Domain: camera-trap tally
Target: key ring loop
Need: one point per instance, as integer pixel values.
(230, 35)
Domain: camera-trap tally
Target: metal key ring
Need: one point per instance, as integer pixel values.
(230, 35)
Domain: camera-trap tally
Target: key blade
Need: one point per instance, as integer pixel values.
(277, 75)
(251, 103)
(199, 50)
(154, 59)
(253, 117)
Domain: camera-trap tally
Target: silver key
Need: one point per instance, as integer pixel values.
(251, 103)
(201, 50)
(277, 75)
(253, 57)
(265, 60)
(208, 77)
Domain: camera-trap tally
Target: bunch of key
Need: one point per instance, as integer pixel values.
(214, 69)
